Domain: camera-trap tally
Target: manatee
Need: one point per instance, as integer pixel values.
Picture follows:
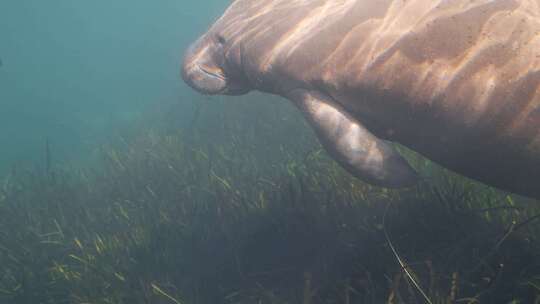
(457, 81)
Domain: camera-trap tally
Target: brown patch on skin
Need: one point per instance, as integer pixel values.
(518, 114)
(449, 39)
(451, 36)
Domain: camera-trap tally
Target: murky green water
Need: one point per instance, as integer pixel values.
(119, 184)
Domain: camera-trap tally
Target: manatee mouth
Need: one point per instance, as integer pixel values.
(212, 74)
(204, 79)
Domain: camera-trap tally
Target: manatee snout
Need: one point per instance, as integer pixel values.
(201, 69)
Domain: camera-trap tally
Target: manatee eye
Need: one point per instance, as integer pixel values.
(220, 39)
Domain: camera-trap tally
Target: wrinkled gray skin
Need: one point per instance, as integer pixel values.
(457, 81)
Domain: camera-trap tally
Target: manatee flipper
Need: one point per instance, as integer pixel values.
(359, 151)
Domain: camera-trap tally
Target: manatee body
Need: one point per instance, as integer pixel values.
(455, 80)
